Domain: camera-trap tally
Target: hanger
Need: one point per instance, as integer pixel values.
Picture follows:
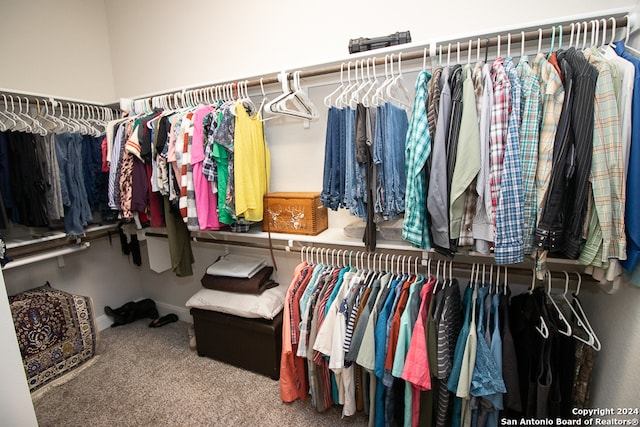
(508, 45)
(626, 38)
(44, 119)
(597, 346)
(328, 102)
(437, 277)
(293, 102)
(341, 100)
(21, 125)
(560, 29)
(478, 51)
(540, 40)
(579, 322)
(379, 97)
(498, 48)
(397, 91)
(367, 99)
(8, 122)
(567, 330)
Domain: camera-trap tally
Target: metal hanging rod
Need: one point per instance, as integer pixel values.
(61, 102)
(485, 42)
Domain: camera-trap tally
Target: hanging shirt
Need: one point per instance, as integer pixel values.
(456, 81)
(293, 380)
(632, 213)
(498, 133)
(529, 136)
(206, 201)
(415, 227)
(467, 164)
(483, 226)
(437, 199)
(509, 212)
(624, 96)
(252, 165)
(606, 238)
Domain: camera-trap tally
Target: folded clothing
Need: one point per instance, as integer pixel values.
(256, 284)
(234, 265)
(266, 305)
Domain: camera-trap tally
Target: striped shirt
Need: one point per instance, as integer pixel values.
(415, 228)
(529, 134)
(509, 213)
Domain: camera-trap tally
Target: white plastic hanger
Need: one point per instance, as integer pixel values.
(328, 101)
(563, 319)
(542, 328)
(597, 346)
(343, 98)
(367, 97)
(21, 125)
(7, 122)
(297, 103)
(379, 97)
(579, 322)
(397, 91)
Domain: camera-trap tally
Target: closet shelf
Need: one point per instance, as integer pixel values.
(30, 244)
(47, 255)
(334, 238)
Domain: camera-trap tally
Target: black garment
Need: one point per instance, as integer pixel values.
(575, 206)
(564, 210)
(28, 180)
(512, 401)
(364, 156)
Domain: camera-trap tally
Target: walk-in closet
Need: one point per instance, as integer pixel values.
(439, 228)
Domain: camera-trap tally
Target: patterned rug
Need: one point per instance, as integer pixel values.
(56, 333)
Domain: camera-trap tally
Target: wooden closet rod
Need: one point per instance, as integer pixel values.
(485, 43)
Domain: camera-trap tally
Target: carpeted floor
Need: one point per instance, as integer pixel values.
(149, 377)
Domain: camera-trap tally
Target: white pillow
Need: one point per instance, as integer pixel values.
(266, 305)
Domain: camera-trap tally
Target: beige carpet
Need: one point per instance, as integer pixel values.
(149, 377)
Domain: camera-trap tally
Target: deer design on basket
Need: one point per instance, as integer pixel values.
(297, 213)
(275, 216)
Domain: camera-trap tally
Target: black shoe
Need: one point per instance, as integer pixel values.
(164, 320)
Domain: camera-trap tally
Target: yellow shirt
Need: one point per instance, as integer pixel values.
(252, 165)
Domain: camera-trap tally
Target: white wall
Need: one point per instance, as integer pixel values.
(58, 48)
(162, 44)
(15, 401)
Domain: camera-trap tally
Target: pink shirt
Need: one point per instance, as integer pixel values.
(416, 365)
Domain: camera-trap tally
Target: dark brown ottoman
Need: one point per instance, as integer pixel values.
(252, 344)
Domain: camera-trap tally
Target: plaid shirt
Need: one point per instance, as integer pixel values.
(415, 228)
(607, 171)
(510, 212)
(553, 98)
(529, 134)
(498, 132)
